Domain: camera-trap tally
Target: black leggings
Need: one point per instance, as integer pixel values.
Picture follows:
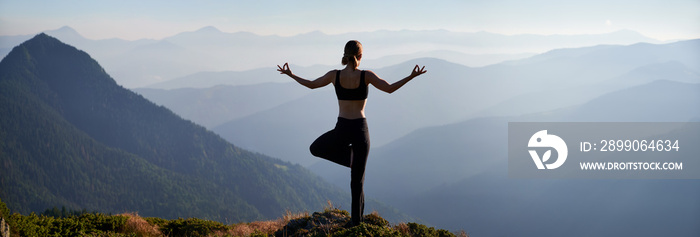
(348, 136)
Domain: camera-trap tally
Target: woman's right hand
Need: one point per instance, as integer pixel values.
(284, 69)
(417, 71)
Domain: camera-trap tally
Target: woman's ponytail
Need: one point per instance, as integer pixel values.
(353, 49)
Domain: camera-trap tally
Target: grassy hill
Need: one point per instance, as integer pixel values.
(330, 222)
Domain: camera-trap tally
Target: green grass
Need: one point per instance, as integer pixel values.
(330, 222)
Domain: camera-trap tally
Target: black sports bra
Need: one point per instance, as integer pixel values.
(359, 93)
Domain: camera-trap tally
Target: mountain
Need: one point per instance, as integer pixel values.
(156, 62)
(446, 150)
(456, 175)
(471, 60)
(485, 202)
(450, 93)
(228, 78)
(315, 48)
(542, 100)
(213, 106)
(70, 136)
(292, 126)
(142, 62)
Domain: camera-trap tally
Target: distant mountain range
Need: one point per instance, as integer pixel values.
(216, 105)
(70, 136)
(460, 150)
(451, 93)
(145, 62)
(453, 174)
(461, 171)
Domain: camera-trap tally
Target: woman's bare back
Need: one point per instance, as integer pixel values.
(350, 109)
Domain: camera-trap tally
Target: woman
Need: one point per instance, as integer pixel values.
(348, 143)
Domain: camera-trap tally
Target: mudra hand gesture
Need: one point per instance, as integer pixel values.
(417, 71)
(284, 69)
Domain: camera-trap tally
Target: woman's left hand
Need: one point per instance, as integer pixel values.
(417, 71)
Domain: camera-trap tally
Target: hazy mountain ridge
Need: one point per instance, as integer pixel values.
(73, 137)
(473, 185)
(202, 80)
(480, 135)
(459, 168)
(213, 106)
(542, 100)
(450, 93)
(209, 49)
(471, 60)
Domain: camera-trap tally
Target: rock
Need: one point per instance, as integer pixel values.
(4, 228)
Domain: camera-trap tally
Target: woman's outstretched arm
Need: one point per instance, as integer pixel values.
(382, 85)
(320, 82)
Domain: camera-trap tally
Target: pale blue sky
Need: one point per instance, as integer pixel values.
(129, 19)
